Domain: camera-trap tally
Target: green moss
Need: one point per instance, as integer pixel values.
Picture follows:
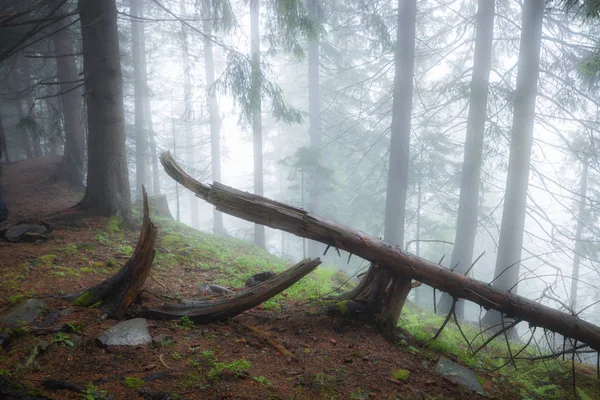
(134, 383)
(114, 223)
(110, 263)
(342, 307)
(84, 300)
(401, 375)
(47, 259)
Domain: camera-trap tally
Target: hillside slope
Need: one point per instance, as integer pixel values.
(287, 348)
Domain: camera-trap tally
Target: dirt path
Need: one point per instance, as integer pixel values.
(31, 192)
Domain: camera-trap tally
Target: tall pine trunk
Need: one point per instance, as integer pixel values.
(27, 85)
(188, 116)
(382, 293)
(468, 205)
(579, 248)
(259, 230)
(213, 110)
(314, 128)
(107, 190)
(506, 274)
(139, 82)
(71, 168)
(147, 109)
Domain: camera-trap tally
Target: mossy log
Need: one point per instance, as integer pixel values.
(262, 210)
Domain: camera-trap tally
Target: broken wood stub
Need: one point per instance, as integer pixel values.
(116, 293)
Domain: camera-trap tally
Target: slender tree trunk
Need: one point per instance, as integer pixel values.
(259, 230)
(506, 274)
(188, 116)
(213, 110)
(418, 216)
(468, 207)
(72, 109)
(24, 132)
(314, 128)
(579, 249)
(382, 290)
(139, 83)
(3, 145)
(31, 112)
(107, 190)
(3, 152)
(146, 100)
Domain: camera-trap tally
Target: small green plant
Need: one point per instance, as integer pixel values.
(262, 379)
(92, 392)
(74, 328)
(185, 323)
(110, 263)
(134, 383)
(176, 355)
(208, 354)
(62, 339)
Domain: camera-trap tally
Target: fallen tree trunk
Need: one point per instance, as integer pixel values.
(116, 293)
(277, 215)
(215, 310)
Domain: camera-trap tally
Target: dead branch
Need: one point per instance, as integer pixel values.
(277, 215)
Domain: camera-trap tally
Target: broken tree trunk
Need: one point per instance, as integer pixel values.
(214, 310)
(277, 215)
(117, 292)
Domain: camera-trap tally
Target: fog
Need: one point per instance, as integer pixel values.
(326, 143)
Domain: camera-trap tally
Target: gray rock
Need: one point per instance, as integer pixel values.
(25, 312)
(459, 375)
(133, 332)
(17, 232)
(259, 278)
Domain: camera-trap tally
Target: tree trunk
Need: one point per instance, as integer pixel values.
(259, 231)
(28, 88)
(107, 190)
(139, 83)
(188, 116)
(3, 152)
(314, 128)
(468, 204)
(387, 310)
(71, 169)
(3, 145)
(383, 256)
(510, 244)
(579, 248)
(147, 109)
(213, 110)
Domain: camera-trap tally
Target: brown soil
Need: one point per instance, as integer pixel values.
(333, 358)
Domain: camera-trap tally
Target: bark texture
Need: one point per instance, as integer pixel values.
(107, 190)
(579, 248)
(118, 292)
(468, 204)
(388, 257)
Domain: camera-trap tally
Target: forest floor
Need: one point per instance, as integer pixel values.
(333, 358)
